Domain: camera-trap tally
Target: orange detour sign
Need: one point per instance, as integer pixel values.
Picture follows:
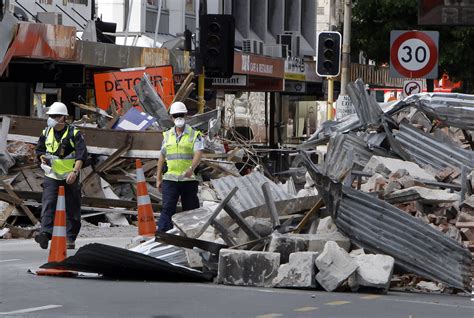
(119, 86)
(146, 220)
(57, 252)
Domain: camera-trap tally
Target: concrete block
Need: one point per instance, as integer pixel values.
(374, 271)
(299, 272)
(386, 166)
(247, 268)
(423, 195)
(326, 225)
(335, 266)
(285, 244)
(316, 242)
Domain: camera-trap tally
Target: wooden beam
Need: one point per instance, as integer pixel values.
(28, 212)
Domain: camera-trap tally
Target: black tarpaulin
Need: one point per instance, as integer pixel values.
(118, 262)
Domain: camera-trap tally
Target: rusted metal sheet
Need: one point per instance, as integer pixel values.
(119, 56)
(145, 144)
(45, 41)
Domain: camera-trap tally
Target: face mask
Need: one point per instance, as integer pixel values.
(179, 122)
(51, 122)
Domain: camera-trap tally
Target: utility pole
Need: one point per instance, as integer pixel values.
(346, 46)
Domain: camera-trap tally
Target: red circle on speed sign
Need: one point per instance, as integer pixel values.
(401, 68)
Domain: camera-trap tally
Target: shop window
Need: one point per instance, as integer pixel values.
(301, 115)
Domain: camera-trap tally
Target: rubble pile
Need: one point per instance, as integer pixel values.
(391, 205)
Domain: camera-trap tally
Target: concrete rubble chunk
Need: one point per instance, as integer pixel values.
(247, 268)
(326, 225)
(285, 244)
(335, 266)
(423, 195)
(386, 166)
(374, 271)
(374, 183)
(429, 286)
(299, 272)
(392, 186)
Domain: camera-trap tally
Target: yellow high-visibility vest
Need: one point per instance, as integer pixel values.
(60, 167)
(179, 154)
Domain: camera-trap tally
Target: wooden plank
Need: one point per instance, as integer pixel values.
(469, 225)
(5, 214)
(32, 180)
(319, 204)
(98, 140)
(28, 212)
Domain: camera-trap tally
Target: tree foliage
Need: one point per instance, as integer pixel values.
(372, 21)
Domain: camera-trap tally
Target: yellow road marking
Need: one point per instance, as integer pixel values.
(269, 316)
(303, 309)
(370, 297)
(338, 302)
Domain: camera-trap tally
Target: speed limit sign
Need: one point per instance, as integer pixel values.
(414, 54)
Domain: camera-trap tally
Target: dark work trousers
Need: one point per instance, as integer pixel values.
(73, 206)
(171, 191)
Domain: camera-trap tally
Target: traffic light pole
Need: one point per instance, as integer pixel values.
(201, 101)
(329, 110)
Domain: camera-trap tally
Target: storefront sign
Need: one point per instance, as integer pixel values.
(258, 65)
(295, 87)
(46, 41)
(119, 86)
(310, 72)
(235, 80)
(295, 69)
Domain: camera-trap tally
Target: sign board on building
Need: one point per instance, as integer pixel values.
(295, 87)
(446, 12)
(295, 69)
(411, 87)
(252, 64)
(414, 54)
(119, 86)
(344, 107)
(234, 80)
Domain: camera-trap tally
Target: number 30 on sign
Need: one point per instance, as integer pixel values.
(414, 54)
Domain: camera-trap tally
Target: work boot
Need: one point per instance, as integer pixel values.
(43, 239)
(70, 245)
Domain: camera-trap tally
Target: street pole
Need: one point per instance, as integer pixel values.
(346, 46)
(201, 77)
(157, 25)
(329, 111)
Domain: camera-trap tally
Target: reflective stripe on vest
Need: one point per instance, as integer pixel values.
(179, 154)
(60, 167)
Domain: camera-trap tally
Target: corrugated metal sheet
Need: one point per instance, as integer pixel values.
(344, 150)
(117, 262)
(367, 108)
(250, 193)
(456, 110)
(428, 151)
(382, 228)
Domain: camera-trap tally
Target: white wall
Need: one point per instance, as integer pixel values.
(34, 8)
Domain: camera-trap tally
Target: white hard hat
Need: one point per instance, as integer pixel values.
(178, 108)
(57, 108)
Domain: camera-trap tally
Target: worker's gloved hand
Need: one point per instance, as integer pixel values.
(71, 178)
(158, 184)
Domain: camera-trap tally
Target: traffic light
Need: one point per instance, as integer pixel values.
(216, 44)
(328, 61)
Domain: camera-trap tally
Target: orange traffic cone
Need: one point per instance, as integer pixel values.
(146, 220)
(57, 252)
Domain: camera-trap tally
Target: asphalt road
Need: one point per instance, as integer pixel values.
(24, 294)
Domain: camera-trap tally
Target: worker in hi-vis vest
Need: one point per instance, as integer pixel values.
(181, 150)
(62, 151)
